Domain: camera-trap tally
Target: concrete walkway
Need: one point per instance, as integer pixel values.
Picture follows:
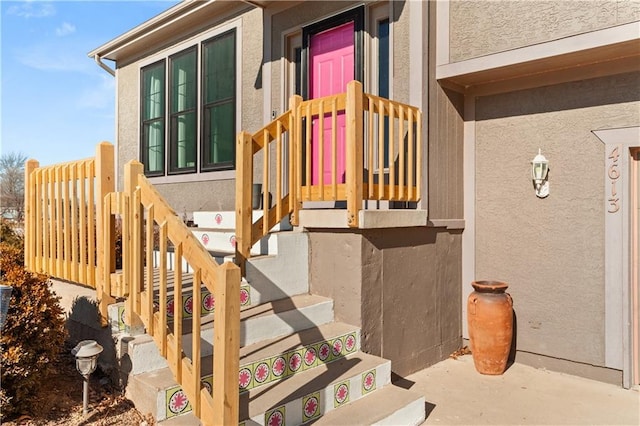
(457, 395)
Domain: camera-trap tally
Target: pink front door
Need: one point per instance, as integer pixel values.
(331, 57)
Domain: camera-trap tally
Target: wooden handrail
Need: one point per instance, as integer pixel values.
(383, 149)
(142, 209)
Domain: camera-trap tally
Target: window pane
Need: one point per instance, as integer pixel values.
(184, 148)
(219, 60)
(220, 139)
(153, 147)
(153, 92)
(183, 82)
(383, 58)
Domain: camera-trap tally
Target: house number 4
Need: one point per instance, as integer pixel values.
(614, 174)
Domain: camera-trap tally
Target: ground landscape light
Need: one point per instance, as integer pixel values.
(86, 353)
(539, 174)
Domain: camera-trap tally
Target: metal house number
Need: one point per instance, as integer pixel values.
(613, 173)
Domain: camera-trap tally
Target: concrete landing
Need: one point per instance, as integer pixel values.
(456, 394)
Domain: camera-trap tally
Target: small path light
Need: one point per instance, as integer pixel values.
(86, 353)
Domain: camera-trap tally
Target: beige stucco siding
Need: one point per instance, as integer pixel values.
(550, 251)
(202, 193)
(483, 27)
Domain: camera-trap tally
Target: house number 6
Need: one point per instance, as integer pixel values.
(614, 174)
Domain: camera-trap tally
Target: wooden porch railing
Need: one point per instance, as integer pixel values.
(64, 235)
(70, 213)
(383, 159)
(143, 210)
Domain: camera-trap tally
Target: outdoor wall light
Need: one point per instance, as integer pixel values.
(86, 353)
(539, 174)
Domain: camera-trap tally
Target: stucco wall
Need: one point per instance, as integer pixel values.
(550, 251)
(402, 286)
(481, 27)
(203, 193)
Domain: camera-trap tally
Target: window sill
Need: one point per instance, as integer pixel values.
(194, 177)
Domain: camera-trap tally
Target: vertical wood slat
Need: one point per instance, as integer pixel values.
(39, 203)
(411, 162)
(67, 221)
(391, 141)
(278, 174)
(131, 215)
(162, 302)
(82, 223)
(137, 275)
(51, 216)
(354, 158)
(308, 151)
(334, 148)
(370, 149)
(105, 184)
(265, 183)
(45, 220)
(380, 150)
(177, 311)
(418, 154)
(226, 347)
(401, 152)
(105, 288)
(59, 228)
(244, 180)
(149, 282)
(195, 336)
(91, 270)
(295, 132)
(29, 211)
(320, 148)
(74, 222)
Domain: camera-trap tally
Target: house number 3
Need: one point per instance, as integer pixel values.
(614, 174)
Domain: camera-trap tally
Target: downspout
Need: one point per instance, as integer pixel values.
(104, 66)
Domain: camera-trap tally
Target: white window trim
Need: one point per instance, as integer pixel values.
(198, 175)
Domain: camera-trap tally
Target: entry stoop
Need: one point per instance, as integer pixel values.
(298, 365)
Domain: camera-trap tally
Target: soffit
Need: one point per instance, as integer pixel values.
(564, 57)
(181, 18)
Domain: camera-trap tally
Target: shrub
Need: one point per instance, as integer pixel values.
(33, 334)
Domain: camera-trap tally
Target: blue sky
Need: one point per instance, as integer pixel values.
(56, 103)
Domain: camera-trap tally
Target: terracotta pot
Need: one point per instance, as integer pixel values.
(490, 319)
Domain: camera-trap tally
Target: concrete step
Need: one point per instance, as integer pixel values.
(263, 363)
(267, 321)
(227, 220)
(314, 393)
(390, 406)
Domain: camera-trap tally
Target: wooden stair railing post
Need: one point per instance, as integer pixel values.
(354, 157)
(295, 156)
(132, 266)
(29, 212)
(105, 184)
(226, 347)
(244, 180)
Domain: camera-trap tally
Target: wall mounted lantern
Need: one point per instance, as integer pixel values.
(539, 174)
(86, 353)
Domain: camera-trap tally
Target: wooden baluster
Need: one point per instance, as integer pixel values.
(354, 152)
(244, 180)
(46, 203)
(74, 222)
(381, 141)
(265, 182)
(295, 175)
(177, 312)
(162, 303)
(411, 159)
(226, 347)
(320, 142)
(196, 337)
(66, 176)
(308, 152)
(92, 271)
(401, 153)
(30, 200)
(82, 223)
(149, 265)
(105, 184)
(391, 141)
(334, 148)
(370, 151)
(278, 172)
(51, 262)
(418, 154)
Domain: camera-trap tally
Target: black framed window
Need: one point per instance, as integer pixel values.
(183, 95)
(219, 102)
(383, 77)
(153, 118)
